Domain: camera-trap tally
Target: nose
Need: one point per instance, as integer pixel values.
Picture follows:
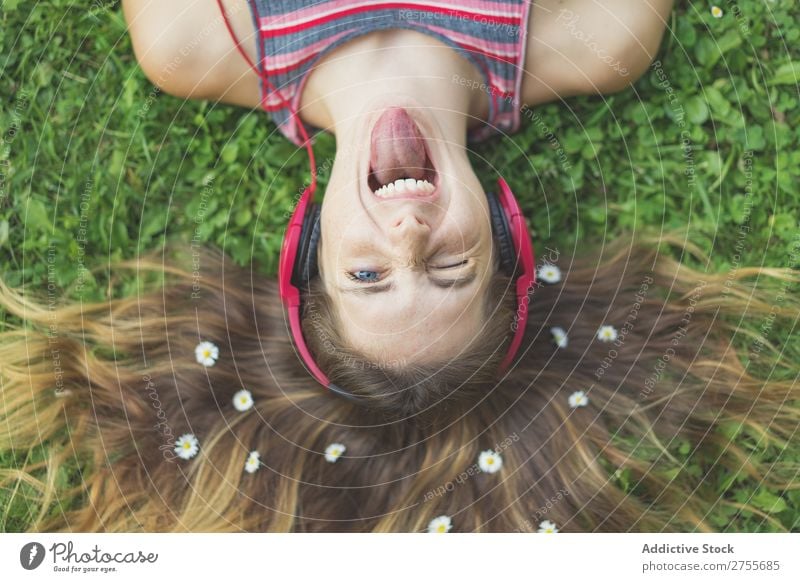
(409, 234)
(409, 220)
(409, 226)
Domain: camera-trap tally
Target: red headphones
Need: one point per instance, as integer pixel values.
(298, 265)
(298, 259)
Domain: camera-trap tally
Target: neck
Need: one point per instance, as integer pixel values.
(391, 67)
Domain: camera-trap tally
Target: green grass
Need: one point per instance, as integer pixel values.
(707, 142)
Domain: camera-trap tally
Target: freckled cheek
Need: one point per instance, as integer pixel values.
(335, 247)
(468, 224)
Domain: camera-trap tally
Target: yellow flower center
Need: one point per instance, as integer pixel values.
(187, 445)
(441, 528)
(489, 461)
(206, 353)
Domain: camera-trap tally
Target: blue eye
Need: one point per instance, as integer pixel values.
(364, 276)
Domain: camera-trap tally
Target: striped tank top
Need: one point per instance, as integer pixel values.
(294, 35)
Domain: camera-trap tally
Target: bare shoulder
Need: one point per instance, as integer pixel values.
(580, 47)
(184, 48)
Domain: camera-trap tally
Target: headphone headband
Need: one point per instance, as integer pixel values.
(523, 251)
(288, 282)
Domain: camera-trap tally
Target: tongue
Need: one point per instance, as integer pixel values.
(397, 147)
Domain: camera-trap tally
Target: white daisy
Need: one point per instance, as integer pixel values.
(187, 446)
(549, 273)
(490, 462)
(253, 462)
(206, 353)
(441, 524)
(559, 336)
(578, 398)
(547, 526)
(607, 333)
(243, 400)
(334, 451)
(716, 12)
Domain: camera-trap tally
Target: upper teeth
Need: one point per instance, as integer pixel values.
(405, 186)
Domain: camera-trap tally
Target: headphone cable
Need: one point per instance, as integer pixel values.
(263, 76)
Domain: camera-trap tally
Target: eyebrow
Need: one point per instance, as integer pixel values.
(375, 288)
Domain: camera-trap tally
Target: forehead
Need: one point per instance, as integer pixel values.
(416, 327)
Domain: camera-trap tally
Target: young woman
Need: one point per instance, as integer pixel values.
(406, 272)
(186, 408)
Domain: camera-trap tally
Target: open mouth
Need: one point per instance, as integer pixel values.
(405, 184)
(400, 162)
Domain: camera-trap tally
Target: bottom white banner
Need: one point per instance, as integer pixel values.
(333, 557)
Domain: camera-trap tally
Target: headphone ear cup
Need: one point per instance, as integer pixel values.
(306, 267)
(502, 234)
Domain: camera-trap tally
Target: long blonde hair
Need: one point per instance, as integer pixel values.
(93, 397)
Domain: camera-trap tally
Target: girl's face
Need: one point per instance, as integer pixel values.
(407, 273)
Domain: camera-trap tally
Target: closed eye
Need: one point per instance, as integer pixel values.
(452, 266)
